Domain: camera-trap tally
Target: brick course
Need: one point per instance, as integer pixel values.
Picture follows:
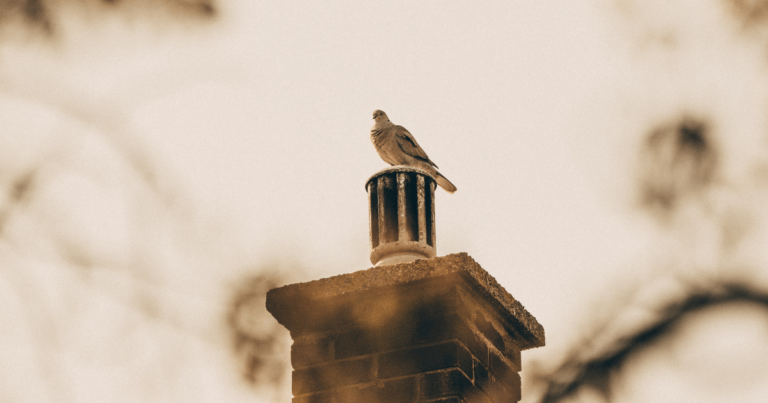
(333, 375)
(312, 350)
(425, 359)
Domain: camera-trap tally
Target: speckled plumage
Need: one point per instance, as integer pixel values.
(397, 146)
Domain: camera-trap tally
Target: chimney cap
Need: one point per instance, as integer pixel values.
(401, 206)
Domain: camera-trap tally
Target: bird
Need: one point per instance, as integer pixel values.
(397, 146)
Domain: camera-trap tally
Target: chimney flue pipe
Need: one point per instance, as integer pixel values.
(401, 210)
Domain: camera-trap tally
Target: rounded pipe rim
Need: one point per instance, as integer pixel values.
(392, 248)
(398, 169)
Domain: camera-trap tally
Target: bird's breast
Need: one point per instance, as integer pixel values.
(377, 137)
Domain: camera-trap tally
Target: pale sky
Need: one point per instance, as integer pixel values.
(255, 129)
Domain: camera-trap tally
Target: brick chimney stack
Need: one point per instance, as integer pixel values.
(426, 329)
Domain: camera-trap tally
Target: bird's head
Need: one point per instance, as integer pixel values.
(380, 116)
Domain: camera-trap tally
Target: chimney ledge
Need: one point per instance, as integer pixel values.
(289, 304)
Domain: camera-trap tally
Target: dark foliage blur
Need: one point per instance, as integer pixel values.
(679, 161)
(599, 370)
(258, 340)
(41, 14)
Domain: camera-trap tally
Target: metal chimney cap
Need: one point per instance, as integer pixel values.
(401, 202)
(397, 169)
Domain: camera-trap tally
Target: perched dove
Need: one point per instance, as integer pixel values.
(396, 146)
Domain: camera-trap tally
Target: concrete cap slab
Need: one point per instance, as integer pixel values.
(282, 301)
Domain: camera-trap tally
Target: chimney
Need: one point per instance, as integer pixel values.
(415, 328)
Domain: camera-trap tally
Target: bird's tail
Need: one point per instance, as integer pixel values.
(445, 183)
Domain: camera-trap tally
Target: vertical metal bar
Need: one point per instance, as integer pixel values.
(402, 235)
(432, 200)
(382, 210)
(370, 215)
(421, 208)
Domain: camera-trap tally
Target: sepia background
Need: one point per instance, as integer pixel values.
(164, 163)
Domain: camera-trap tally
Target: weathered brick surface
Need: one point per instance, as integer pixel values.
(333, 375)
(490, 333)
(452, 399)
(358, 342)
(441, 327)
(321, 397)
(472, 339)
(513, 355)
(424, 359)
(492, 387)
(450, 383)
(402, 390)
(421, 317)
(444, 383)
(515, 388)
(501, 368)
(311, 350)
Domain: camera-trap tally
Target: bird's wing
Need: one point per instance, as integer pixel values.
(408, 144)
